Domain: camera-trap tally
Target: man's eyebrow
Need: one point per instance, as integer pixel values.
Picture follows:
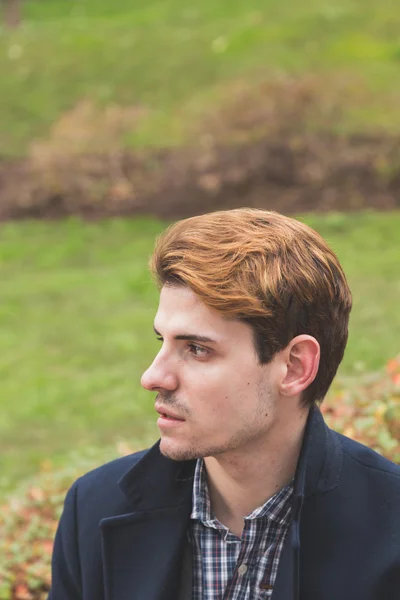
(190, 336)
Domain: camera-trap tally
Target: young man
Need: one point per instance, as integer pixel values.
(248, 495)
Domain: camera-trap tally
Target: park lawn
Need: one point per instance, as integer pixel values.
(174, 61)
(76, 312)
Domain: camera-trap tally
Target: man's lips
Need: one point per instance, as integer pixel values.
(166, 413)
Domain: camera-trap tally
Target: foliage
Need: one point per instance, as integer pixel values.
(27, 528)
(369, 413)
(28, 524)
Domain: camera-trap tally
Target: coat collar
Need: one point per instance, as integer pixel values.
(158, 482)
(320, 460)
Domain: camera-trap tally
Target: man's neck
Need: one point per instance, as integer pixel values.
(241, 481)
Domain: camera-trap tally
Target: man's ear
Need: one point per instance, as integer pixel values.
(302, 357)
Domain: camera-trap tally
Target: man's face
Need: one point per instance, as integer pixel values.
(206, 374)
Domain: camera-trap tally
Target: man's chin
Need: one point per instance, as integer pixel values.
(176, 451)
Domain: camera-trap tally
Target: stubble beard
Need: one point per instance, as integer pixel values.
(246, 436)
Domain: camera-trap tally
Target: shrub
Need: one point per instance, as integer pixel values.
(369, 411)
(28, 523)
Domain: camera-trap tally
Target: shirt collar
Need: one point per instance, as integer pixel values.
(201, 506)
(275, 508)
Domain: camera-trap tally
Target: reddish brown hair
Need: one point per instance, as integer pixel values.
(270, 271)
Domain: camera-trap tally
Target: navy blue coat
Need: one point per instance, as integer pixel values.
(123, 529)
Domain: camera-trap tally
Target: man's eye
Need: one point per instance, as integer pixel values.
(198, 350)
(160, 339)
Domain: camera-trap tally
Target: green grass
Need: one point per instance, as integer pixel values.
(76, 302)
(173, 58)
(76, 313)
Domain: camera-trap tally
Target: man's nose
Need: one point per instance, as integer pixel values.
(159, 375)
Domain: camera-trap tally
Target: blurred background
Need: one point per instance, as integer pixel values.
(119, 116)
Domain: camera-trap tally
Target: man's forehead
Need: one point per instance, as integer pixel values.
(183, 292)
(181, 302)
(181, 311)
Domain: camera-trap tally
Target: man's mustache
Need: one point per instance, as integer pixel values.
(169, 399)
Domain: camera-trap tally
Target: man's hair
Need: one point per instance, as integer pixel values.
(270, 271)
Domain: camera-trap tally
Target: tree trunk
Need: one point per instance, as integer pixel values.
(12, 13)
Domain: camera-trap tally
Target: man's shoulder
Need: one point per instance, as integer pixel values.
(369, 461)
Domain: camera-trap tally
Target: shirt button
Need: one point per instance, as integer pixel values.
(242, 569)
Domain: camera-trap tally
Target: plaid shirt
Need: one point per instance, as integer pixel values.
(226, 567)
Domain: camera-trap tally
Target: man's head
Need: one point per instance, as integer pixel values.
(263, 282)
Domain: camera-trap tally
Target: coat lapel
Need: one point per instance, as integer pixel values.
(283, 588)
(142, 553)
(143, 550)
